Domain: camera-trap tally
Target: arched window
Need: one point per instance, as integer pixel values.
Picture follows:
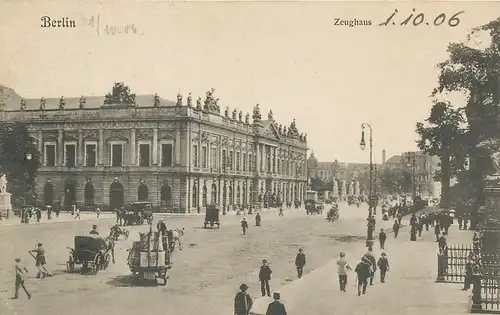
(245, 198)
(116, 195)
(213, 198)
(165, 195)
(238, 195)
(142, 192)
(194, 196)
(204, 196)
(69, 193)
(48, 194)
(88, 194)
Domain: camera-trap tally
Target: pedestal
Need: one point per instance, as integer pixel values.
(5, 204)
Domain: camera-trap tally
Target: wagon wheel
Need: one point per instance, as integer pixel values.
(97, 263)
(205, 225)
(164, 277)
(107, 261)
(70, 265)
(126, 233)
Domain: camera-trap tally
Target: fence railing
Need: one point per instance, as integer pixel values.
(451, 264)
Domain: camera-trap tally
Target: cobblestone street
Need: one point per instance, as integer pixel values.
(206, 273)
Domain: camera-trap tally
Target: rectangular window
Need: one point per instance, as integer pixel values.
(231, 160)
(195, 155)
(204, 157)
(116, 155)
(238, 161)
(213, 158)
(278, 166)
(69, 155)
(250, 163)
(144, 154)
(224, 159)
(244, 162)
(90, 154)
(166, 154)
(50, 155)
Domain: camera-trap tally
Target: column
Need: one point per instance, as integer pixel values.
(264, 158)
(60, 148)
(132, 147)
(257, 158)
(80, 148)
(177, 147)
(40, 142)
(155, 146)
(274, 160)
(101, 147)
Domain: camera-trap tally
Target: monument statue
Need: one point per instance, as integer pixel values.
(247, 118)
(198, 103)
(179, 99)
(240, 116)
(3, 184)
(81, 102)
(495, 161)
(62, 103)
(189, 100)
(226, 111)
(235, 113)
(156, 100)
(23, 104)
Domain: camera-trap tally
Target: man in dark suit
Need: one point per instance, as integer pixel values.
(276, 307)
(300, 262)
(242, 301)
(264, 277)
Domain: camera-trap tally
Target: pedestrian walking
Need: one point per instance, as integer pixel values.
(77, 213)
(468, 275)
(281, 212)
(244, 226)
(300, 262)
(371, 258)
(383, 266)
(38, 214)
(363, 271)
(442, 242)
(264, 277)
(420, 227)
(21, 273)
(427, 223)
(257, 219)
(460, 221)
(40, 261)
(437, 231)
(242, 301)
(382, 237)
(342, 269)
(276, 307)
(400, 217)
(98, 212)
(395, 228)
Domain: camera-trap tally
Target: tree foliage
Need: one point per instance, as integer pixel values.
(394, 181)
(15, 145)
(475, 72)
(443, 136)
(120, 95)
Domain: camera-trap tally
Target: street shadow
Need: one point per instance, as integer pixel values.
(127, 281)
(347, 238)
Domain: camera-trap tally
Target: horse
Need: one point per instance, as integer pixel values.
(115, 232)
(176, 238)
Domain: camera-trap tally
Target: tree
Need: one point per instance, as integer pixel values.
(475, 72)
(120, 95)
(443, 136)
(394, 181)
(15, 144)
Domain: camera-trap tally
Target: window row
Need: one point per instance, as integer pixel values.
(116, 151)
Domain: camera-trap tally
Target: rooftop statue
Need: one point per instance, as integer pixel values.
(62, 103)
(247, 118)
(198, 103)
(285, 131)
(270, 115)
(120, 95)
(189, 100)
(280, 129)
(226, 111)
(156, 100)
(42, 103)
(256, 114)
(294, 132)
(81, 102)
(240, 117)
(23, 104)
(179, 99)
(211, 103)
(235, 112)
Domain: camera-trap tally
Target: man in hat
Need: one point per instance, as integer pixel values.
(40, 261)
(300, 262)
(382, 237)
(383, 265)
(244, 226)
(373, 261)
(162, 227)
(264, 277)
(363, 271)
(276, 307)
(242, 301)
(94, 230)
(21, 273)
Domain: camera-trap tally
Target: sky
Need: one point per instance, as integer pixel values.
(289, 57)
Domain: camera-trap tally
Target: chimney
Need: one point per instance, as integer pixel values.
(383, 156)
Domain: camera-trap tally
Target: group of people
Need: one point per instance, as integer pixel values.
(22, 272)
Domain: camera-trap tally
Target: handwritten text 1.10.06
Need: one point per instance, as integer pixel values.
(418, 19)
(107, 29)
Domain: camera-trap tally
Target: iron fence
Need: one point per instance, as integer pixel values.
(451, 264)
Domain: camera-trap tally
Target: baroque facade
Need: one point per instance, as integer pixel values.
(120, 148)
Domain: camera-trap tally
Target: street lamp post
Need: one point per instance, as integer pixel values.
(25, 185)
(412, 161)
(370, 219)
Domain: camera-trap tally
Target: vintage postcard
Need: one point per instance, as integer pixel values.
(249, 157)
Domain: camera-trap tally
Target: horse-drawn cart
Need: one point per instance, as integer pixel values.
(148, 260)
(139, 212)
(91, 251)
(212, 217)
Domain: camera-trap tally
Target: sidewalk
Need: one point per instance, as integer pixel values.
(410, 287)
(63, 217)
